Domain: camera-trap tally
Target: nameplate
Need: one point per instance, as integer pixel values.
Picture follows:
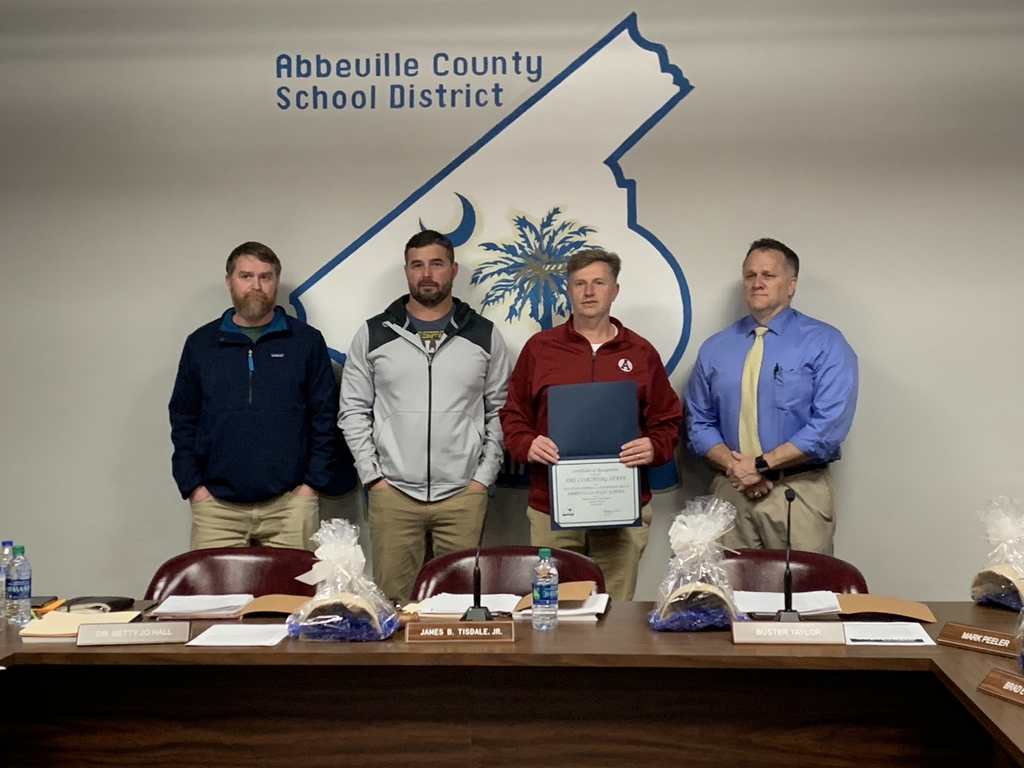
(788, 633)
(134, 634)
(976, 639)
(1005, 686)
(460, 631)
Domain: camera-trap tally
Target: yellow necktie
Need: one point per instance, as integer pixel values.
(750, 443)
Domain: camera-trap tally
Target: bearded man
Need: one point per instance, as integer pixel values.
(420, 394)
(253, 416)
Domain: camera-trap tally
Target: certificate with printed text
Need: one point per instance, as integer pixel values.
(594, 493)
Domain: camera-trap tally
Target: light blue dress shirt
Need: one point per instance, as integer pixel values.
(806, 391)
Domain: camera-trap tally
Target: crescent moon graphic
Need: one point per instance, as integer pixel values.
(461, 234)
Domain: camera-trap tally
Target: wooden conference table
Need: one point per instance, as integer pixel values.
(614, 694)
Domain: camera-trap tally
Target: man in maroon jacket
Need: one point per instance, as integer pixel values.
(590, 346)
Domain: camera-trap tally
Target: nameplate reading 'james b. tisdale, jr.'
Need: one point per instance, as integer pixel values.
(1004, 685)
(789, 632)
(149, 632)
(460, 631)
(977, 639)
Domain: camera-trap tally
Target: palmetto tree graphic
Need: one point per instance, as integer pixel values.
(531, 270)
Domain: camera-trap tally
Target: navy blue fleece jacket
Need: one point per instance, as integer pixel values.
(253, 420)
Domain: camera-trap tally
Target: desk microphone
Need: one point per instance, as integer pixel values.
(478, 612)
(787, 613)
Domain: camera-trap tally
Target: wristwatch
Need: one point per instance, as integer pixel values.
(761, 465)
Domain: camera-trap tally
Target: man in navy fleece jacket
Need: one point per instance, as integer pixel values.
(253, 416)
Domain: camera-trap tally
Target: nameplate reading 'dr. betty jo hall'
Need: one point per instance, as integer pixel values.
(1008, 687)
(788, 632)
(977, 639)
(460, 631)
(146, 633)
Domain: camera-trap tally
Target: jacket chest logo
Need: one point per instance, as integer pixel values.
(625, 365)
(277, 354)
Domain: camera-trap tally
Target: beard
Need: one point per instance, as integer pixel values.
(253, 305)
(430, 294)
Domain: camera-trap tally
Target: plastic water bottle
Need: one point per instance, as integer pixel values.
(545, 592)
(6, 555)
(19, 589)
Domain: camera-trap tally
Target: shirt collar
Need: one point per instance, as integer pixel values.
(776, 325)
(619, 334)
(278, 323)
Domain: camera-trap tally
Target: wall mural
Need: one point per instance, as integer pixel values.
(541, 184)
(544, 182)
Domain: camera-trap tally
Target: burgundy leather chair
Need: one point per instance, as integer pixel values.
(761, 570)
(234, 570)
(503, 570)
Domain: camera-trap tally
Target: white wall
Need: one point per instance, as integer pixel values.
(139, 143)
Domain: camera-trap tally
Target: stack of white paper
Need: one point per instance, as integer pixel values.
(241, 635)
(448, 604)
(201, 606)
(806, 603)
(886, 633)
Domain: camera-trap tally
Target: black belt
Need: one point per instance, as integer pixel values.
(775, 474)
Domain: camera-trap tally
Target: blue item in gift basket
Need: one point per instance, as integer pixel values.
(692, 619)
(1010, 599)
(693, 607)
(344, 628)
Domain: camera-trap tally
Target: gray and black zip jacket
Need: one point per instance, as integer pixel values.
(427, 426)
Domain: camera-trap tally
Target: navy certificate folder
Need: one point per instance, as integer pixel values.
(592, 420)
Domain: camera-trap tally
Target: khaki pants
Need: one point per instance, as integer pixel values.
(616, 550)
(398, 530)
(283, 521)
(761, 524)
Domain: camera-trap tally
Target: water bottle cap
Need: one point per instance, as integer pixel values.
(544, 553)
(19, 549)
(6, 543)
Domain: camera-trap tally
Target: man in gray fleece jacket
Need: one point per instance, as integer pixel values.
(420, 394)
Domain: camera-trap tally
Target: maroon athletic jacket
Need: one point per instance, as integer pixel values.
(560, 355)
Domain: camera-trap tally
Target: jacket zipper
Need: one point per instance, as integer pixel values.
(430, 397)
(430, 400)
(430, 392)
(250, 375)
(430, 413)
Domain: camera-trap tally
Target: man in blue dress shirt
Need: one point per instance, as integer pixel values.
(769, 401)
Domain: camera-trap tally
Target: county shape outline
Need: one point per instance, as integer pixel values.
(559, 149)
